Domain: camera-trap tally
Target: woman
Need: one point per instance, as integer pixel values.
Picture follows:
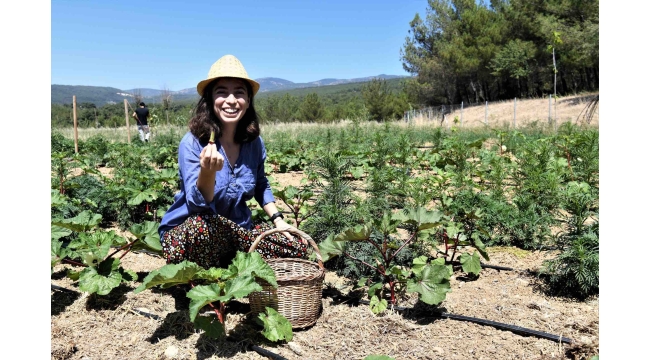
(209, 219)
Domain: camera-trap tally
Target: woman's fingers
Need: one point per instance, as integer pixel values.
(211, 159)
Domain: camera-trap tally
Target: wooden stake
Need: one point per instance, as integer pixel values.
(126, 116)
(74, 122)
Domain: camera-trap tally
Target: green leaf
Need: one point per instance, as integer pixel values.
(387, 225)
(420, 217)
(240, 287)
(100, 280)
(211, 274)
(169, 275)
(329, 248)
(84, 221)
(276, 326)
(147, 232)
(147, 195)
(433, 285)
(202, 295)
(373, 288)
(357, 233)
(251, 264)
(58, 232)
(471, 263)
(378, 357)
(377, 306)
(211, 325)
(418, 264)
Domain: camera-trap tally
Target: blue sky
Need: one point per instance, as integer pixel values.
(172, 44)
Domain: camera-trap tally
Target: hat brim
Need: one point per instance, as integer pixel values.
(202, 84)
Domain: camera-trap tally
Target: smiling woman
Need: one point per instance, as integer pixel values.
(221, 166)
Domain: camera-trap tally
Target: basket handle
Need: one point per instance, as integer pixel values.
(294, 231)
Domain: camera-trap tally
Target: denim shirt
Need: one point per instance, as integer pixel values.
(235, 184)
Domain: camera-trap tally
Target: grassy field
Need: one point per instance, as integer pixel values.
(529, 112)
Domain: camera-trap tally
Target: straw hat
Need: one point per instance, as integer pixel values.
(227, 66)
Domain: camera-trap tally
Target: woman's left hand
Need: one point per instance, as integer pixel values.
(281, 224)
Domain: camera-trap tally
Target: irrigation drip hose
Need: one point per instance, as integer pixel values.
(255, 348)
(516, 329)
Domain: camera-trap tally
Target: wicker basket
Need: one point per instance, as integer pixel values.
(300, 285)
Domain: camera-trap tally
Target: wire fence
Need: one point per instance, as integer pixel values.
(513, 113)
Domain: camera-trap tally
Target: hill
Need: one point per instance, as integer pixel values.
(100, 95)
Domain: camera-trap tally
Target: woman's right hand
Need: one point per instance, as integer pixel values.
(211, 159)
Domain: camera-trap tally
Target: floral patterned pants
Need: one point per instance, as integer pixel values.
(211, 240)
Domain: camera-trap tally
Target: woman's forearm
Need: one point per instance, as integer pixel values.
(205, 183)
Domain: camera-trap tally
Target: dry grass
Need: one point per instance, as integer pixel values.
(500, 114)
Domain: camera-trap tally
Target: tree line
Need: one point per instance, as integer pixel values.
(375, 100)
(473, 51)
(461, 51)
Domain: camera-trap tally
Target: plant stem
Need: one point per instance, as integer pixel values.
(71, 262)
(219, 312)
(365, 263)
(122, 248)
(401, 247)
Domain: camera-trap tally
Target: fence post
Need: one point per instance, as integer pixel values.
(74, 123)
(515, 118)
(128, 128)
(486, 113)
(461, 114)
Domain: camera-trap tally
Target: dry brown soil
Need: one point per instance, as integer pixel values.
(114, 327)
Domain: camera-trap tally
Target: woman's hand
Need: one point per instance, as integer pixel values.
(281, 224)
(211, 159)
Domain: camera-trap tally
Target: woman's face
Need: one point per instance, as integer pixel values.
(230, 99)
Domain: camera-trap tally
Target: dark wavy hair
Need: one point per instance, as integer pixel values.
(204, 120)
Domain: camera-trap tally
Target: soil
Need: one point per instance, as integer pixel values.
(154, 324)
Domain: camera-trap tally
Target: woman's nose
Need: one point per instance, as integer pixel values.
(231, 98)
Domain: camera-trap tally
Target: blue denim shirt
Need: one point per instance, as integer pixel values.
(235, 184)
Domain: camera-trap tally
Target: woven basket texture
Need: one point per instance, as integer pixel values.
(300, 286)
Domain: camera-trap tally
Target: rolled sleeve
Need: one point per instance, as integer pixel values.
(189, 152)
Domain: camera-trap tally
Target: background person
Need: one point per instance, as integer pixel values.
(141, 115)
(209, 219)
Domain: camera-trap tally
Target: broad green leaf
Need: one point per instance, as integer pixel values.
(418, 264)
(240, 287)
(378, 357)
(147, 195)
(100, 280)
(387, 225)
(147, 232)
(128, 275)
(471, 263)
(357, 233)
(211, 325)
(378, 306)
(251, 264)
(211, 274)
(374, 288)
(84, 221)
(433, 284)
(56, 198)
(73, 275)
(329, 248)
(478, 244)
(362, 282)
(169, 275)
(398, 271)
(58, 232)
(276, 326)
(421, 217)
(202, 295)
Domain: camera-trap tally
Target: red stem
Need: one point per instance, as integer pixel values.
(68, 261)
(122, 248)
(219, 312)
(365, 263)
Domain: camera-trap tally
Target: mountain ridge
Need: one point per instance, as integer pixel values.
(101, 95)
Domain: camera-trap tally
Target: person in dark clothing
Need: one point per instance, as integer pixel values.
(141, 115)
